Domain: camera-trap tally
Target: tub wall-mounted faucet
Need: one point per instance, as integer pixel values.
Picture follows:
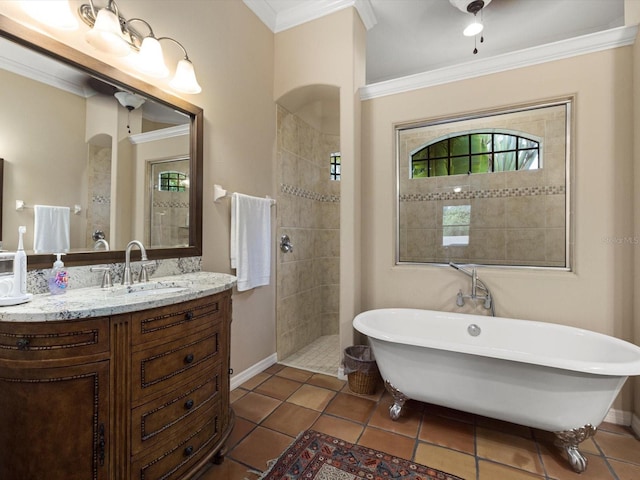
(476, 284)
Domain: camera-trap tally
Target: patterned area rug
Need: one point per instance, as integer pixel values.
(317, 456)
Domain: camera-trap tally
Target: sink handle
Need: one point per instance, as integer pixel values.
(106, 277)
(144, 273)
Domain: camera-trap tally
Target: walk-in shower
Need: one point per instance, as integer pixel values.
(308, 273)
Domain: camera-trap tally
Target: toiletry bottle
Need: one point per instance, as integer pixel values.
(59, 279)
(20, 267)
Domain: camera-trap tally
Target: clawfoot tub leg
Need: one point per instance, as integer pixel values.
(398, 400)
(570, 439)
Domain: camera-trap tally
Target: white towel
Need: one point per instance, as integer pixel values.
(51, 229)
(250, 240)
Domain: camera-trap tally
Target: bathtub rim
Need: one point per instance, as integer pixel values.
(630, 368)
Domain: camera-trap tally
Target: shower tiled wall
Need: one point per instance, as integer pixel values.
(309, 213)
(99, 201)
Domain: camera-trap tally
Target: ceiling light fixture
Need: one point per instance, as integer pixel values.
(131, 102)
(476, 26)
(112, 33)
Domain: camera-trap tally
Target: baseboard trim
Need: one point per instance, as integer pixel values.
(619, 417)
(635, 424)
(238, 379)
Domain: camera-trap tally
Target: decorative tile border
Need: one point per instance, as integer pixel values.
(491, 193)
(304, 193)
(171, 204)
(101, 199)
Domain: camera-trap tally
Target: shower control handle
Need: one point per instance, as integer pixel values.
(285, 244)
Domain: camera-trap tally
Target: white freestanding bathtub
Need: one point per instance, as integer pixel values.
(541, 375)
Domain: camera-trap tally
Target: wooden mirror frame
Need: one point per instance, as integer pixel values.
(43, 44)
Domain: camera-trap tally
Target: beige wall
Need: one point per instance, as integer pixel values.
(632, 17)
(597, 295)
(45, 159)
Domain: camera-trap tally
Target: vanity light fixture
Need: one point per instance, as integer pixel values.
(115, 34)
(112, 33)
(55, 13)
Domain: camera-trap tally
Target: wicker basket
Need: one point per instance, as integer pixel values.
(363, 375)
(363, 383)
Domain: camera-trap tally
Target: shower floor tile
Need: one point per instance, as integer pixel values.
(320, 356)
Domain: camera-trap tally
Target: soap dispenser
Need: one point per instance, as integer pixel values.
(59, 279)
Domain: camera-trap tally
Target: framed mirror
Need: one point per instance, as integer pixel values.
(489, 188)
(124, 156)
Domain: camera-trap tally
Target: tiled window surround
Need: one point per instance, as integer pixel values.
(513, 226)
(517, 218)
(277, 404)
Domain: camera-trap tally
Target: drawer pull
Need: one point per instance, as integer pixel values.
(101, 444)
(188, 451)
(188, 316)
(188, 405)
(189, 358)
(23, 344)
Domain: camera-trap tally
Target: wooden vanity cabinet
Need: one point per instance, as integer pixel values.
(54, 400)
(138, 396)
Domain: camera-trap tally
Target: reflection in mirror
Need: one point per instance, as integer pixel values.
(489, 189)
(168, 205)
(85, 139)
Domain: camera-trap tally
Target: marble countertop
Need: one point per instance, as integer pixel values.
(97, 302)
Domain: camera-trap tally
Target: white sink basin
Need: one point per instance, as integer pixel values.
(155, 291)
(150, 289)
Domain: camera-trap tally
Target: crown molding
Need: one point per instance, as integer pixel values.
(29, 64)
(162, 134)
(308, 11)
(595, 42)
(264, 12)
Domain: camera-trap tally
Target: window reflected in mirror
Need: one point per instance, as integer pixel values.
(488, 189)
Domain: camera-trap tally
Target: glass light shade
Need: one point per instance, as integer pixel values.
(473, 29)
(55, 13)
(150, 59)
(106, 34)
(130, 101)
(185, 78)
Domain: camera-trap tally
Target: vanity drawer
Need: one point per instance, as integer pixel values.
(54, 340)
(173, 459)
(156, 422)
(165, 322)
(167, 365)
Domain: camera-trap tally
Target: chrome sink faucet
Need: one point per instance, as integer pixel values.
(101, 241)
(144, 276)
(476, 284)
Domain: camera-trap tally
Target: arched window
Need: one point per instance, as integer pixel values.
(476, 152)
(172, 182)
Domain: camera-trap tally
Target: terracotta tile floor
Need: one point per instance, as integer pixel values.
(277, 404)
